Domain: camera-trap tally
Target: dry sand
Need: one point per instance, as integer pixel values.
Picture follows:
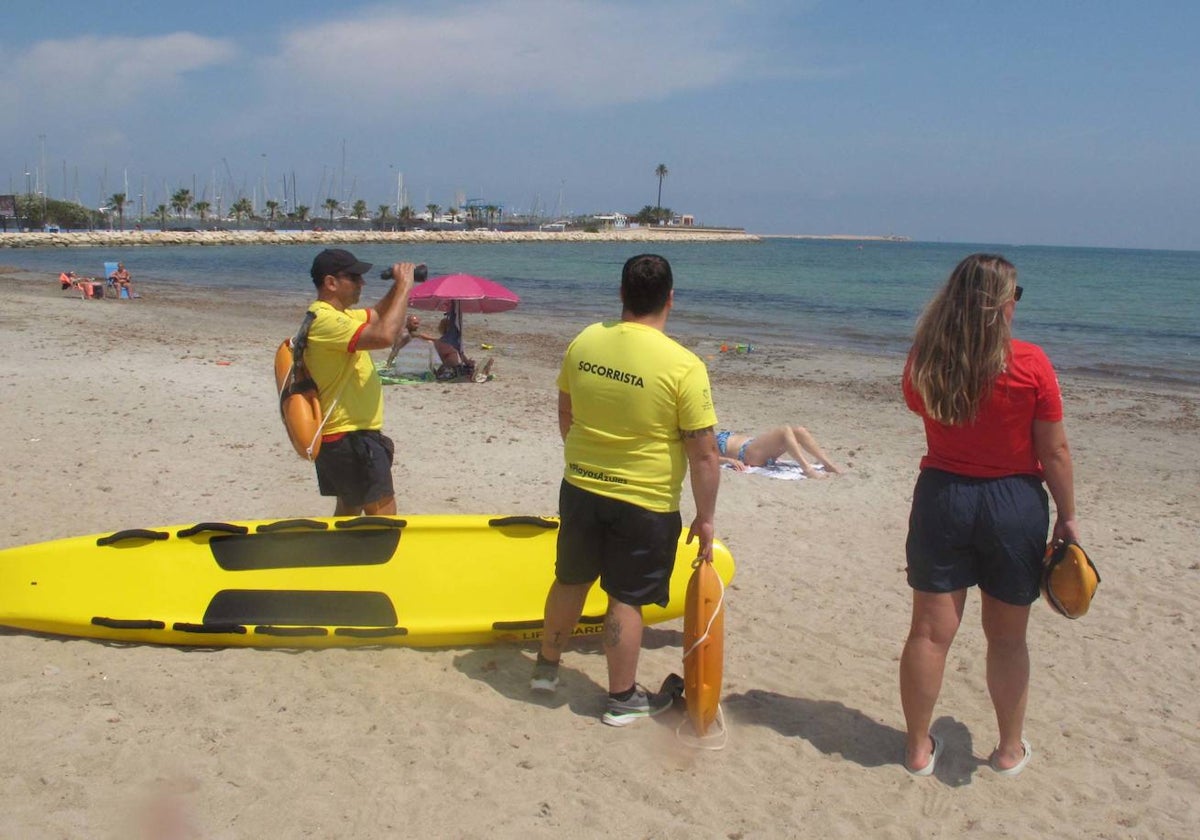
(162, 411)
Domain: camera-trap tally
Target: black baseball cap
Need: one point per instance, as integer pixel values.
(335, 260)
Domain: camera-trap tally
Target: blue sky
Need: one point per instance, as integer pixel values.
(1058, 123)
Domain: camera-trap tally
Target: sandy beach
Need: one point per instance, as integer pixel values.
(162, 411)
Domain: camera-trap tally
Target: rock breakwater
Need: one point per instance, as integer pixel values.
(136, 238)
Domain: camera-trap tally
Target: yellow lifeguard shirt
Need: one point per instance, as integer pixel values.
(342, 371)
(633, 391)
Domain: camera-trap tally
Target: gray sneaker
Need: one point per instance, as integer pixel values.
(642, 704)
(545, 677)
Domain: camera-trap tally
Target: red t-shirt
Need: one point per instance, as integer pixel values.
(1000, 441)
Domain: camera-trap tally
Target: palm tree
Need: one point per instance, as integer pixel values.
(202, 207)
(161, 212)
(433, 211)
(272, 206)
(331, 204)
(661, 172)
(652, 215)
(181, 201)
(117, 200)
(405, 215)
(302, 212)
(359, 211)
(241, 207)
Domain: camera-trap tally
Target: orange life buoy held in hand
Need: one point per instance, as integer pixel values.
(703, 646)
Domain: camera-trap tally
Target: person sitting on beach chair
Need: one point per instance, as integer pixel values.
(454, 362)
(122, 282)
(88, 287)
(741, 450)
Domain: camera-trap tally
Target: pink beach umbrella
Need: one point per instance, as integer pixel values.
(472, 294)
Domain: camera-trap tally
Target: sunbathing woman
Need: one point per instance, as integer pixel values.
(741, 451)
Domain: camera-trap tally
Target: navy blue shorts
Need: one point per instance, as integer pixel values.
(357, 468)
(988, 531)
(631, 549)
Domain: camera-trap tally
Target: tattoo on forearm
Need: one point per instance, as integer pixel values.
(695, 433)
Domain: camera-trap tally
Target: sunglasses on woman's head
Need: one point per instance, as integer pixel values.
(1017, 293)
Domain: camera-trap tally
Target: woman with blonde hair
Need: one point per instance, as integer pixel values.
(993, 428)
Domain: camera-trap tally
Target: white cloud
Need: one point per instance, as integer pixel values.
(571, 52)
(87, 75)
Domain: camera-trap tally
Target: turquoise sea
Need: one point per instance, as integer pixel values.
(1128, 314)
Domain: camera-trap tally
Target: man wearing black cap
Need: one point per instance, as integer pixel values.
(355, 461)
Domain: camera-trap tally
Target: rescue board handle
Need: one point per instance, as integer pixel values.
(216, 527)
(535, 521)
(288, 524)
(132, 534)
(371, 521)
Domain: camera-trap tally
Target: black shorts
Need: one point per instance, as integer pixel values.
(631, 549)
(357, 468)
(987, 531)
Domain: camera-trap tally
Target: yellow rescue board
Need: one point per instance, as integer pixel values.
(420, 581)
(703, 645)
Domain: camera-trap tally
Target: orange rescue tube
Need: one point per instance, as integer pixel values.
(298, 405)
(703, 646)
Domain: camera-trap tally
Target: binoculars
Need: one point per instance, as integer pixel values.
(420, 273)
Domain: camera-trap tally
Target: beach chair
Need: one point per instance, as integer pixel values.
(416, 360)
(110, 268)
(87, 287)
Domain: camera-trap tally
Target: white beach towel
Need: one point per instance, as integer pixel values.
(787, 470)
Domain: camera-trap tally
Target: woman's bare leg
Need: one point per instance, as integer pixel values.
(1004, 625)
(810, 443)
(935, 620)
(776, 442)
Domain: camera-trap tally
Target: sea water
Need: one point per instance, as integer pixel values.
(1120, 313)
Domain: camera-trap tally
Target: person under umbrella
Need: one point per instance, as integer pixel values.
(448, 344)
(456, 294)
